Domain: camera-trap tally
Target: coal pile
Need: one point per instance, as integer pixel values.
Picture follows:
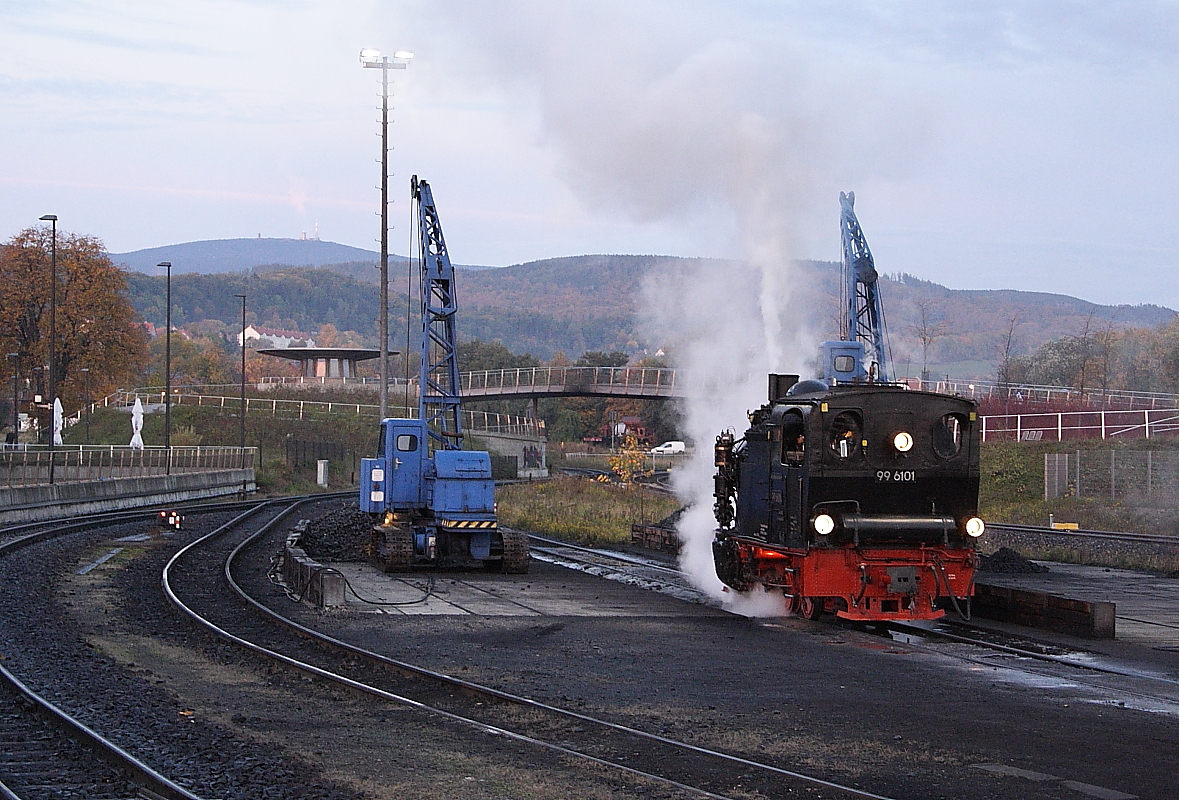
(1007, 561)
(672, 521)
(343, 534)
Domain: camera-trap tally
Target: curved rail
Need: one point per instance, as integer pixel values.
(142, 774)
(468, 687)
(32, 533)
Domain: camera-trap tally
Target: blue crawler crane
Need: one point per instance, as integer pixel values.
(861, 352)
(436, 501)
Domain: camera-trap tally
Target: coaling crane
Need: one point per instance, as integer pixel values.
(435, 501)
(861, 354)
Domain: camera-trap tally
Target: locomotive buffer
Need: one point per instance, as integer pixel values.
(849, 493)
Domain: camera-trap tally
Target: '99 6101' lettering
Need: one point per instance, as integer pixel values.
(895, 476)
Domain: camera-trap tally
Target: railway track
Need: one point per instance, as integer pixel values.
(47, 753)
(677, 766)
(50, 750)
(1114, 536)
(983, 646)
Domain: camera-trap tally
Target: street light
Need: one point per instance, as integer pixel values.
(52, 219)
(242, 422)
(15, 357)
(86, 372)
(372, 59)
(168, 369)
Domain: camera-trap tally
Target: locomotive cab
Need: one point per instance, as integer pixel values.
(860, 496)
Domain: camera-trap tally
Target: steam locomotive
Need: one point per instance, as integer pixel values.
(860, 498)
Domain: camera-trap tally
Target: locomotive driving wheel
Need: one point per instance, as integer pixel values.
(515, 559)
(807, 607)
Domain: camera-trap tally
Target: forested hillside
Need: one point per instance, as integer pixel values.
(582, 303)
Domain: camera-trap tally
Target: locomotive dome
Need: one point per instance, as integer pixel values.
(807, 387)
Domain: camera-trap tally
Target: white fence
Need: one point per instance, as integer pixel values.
(475, 421)
(1067, 425)
(28, 465)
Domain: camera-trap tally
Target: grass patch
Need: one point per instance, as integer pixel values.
(580, 509)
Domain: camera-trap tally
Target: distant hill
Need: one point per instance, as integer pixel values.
(238, 255)
(594, 302)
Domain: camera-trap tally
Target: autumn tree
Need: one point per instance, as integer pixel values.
(95, 321)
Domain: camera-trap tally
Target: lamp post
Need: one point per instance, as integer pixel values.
(52, 220)
(242, 422)
(372, 59)
(15, 357)
(168, 368)
(86, 373)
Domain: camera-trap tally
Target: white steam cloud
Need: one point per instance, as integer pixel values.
(670, 113)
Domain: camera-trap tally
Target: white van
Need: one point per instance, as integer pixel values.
(668, 448)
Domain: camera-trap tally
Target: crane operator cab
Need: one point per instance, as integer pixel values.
(435, 509)
(844, 362)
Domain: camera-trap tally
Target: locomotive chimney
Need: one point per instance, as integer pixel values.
(780, 384)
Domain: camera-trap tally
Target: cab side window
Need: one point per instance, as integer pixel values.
(793, 438)
(407, 443)
(845, 434)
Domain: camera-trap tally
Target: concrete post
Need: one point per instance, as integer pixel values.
(321, 472)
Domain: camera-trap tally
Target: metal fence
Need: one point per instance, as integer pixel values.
(1067, 425)
(28, 465)
(1147, 477)
(639, 381)
(1110, 399)
(476, 421)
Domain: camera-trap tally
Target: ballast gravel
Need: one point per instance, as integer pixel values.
(41, 642)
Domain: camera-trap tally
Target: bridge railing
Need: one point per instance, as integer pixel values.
(27, 465)
(1144, 424)
(1110, 399)
(640, 380)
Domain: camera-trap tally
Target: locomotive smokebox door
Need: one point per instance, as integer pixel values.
(902, 580)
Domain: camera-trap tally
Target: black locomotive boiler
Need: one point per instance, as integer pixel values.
(859, 498)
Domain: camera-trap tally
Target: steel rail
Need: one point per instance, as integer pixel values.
(143, 775)
(37, 532)
(949, 636)
(1149, 538)
(1063, 661)
(464, 685)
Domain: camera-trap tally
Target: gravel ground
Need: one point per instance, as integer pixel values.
(854, 707)
(43, 643)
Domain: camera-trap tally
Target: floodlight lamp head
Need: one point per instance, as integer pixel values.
(405, 54)
(369, 54)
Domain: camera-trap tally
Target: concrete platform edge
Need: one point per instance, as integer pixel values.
(38, 503)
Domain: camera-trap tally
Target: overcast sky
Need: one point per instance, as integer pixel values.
(990, 145)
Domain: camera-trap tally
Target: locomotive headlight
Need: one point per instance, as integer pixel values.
(975, 527)
(824, 524)
(903, 442)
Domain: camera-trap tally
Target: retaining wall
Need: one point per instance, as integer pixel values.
(309, 580)
(35, 503)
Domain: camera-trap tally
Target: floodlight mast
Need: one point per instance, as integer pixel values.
(371, 58)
